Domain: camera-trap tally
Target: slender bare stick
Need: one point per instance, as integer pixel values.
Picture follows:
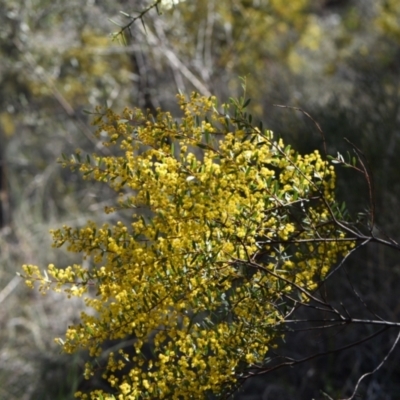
(376, 369)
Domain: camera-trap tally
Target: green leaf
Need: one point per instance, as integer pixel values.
(246, 103)
(115, 23)
(202, 146)
(144, 26)
(207, 136)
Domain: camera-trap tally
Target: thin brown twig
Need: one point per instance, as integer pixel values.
(138, 17)
(320, 354)
(359, 296)
(376, 369)
(311, 118)
(379, 322)
(369, 179)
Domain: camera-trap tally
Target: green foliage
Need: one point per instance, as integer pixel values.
(225, 222)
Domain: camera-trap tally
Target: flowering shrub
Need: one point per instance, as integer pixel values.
(225, 222)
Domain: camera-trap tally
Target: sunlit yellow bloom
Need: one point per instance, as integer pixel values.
(223, 219)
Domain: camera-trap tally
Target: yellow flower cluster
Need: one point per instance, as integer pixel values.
(225, 220)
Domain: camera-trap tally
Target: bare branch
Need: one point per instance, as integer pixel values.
(370, 182)
(309, 117)
(377, 368)
(296, 362)
(137, 18)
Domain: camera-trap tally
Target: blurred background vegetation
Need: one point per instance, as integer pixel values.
(337, 59)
